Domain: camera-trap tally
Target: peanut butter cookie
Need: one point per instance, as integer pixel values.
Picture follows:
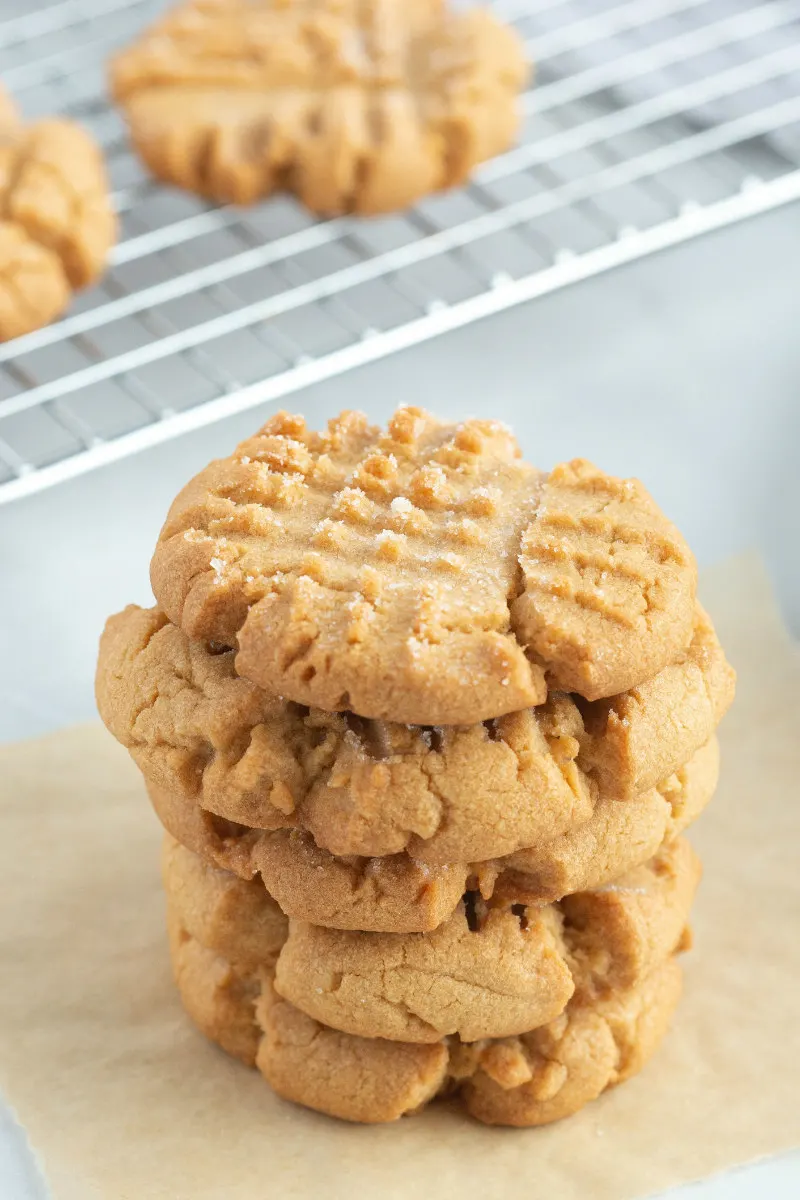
(425, 574)
(400, 894)
(56, 221)
(551, 1072)
(354, 107)
(228, 916)
(493, 972)
(207, 739)
(531, 1079)
(617, 837)
(486, 972)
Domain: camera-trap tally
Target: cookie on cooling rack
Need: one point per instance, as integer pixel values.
(486, 972)
(424, 574)
(529, 1079)
(353, 107)
(56, 220)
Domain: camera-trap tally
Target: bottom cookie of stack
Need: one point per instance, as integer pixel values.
(226, 936)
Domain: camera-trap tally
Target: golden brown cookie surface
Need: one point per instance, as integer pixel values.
(358, 1079)
(219, 999)
(605, 595)
(213, 741)
(399, 894)
(552, 1072)
(531, 1079)
(486, 972)
(490, 981)
(355, 107)
(641, 736)
(56, 221)
(497, 974)
(423, 574)
(231, 917)
(618, 837)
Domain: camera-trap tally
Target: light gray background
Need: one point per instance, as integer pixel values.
(684, 370)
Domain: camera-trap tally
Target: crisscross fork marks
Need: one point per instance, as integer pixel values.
(608, 583)
(359, 107)
(425, 574)
(349, 562)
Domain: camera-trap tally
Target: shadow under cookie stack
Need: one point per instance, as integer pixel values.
(424, 726)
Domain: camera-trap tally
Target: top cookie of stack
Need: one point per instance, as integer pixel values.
(424, 575)
(453, 714)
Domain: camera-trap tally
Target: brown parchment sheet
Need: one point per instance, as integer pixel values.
(123, 1100)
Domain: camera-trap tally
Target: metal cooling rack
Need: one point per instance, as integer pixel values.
(651, 122)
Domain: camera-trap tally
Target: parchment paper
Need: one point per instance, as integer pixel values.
(124, 1101)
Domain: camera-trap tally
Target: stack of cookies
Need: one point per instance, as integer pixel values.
(424, 726)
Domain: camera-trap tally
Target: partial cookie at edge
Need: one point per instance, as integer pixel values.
(574, 1061)
(57, 222)
(608, 583)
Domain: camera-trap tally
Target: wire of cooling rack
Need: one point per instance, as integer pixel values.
(650, 123)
